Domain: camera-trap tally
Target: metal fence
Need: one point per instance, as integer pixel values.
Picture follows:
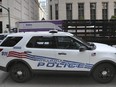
(103, 31)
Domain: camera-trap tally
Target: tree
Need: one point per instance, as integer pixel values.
(113, 17)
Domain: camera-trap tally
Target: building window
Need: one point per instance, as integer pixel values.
(0, 9)
(56, 11)
(50, 12)
(0, 1)
(81, 11)
(105, 10)
(115, 8)
(69, 11)
(93, 11)
(1, 25)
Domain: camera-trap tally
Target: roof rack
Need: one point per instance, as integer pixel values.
(53, 31)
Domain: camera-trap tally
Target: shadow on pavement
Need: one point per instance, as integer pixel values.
(44, 80)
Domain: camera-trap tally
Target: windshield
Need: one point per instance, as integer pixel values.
(81, 40)
(90, 45)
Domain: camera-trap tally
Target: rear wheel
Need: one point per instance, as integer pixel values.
(104, 73)
(20, 73)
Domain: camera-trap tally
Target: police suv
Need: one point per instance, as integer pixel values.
(22, 54)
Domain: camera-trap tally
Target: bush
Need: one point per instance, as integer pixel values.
(113, 17)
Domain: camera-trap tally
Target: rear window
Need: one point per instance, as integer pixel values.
(2, 37)
(11, 41)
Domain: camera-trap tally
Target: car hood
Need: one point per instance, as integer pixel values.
(104, 48)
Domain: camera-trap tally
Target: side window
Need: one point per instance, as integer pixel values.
(41, 42)
(11, 41)
(67, 43)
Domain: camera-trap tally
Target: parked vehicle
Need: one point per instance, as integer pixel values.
(34, 26)
(21, 54)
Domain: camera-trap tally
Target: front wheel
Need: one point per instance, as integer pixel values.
(104, 73)
(20, 73)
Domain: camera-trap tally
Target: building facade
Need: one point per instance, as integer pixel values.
(81, 9)
(42, 10)
(20, 10)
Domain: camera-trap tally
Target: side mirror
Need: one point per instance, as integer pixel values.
(82, 48)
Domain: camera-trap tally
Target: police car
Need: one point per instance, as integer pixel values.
(22, 54)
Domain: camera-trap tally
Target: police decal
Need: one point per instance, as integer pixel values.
(57, 63)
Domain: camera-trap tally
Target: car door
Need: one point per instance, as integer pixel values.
(70, 58)
(40, 51)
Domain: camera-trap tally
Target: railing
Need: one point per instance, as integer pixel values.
(103, 31)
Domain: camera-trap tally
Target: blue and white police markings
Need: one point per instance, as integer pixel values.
(4, 53)
(57, 63)
(64, 64)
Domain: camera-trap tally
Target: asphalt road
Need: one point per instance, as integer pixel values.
(53, 81)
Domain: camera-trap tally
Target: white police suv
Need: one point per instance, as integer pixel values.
(22, 54)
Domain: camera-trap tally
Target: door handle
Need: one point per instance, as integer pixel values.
(62, 54)
(27, 52)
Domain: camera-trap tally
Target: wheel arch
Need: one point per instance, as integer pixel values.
(15, 61)
(101, 62)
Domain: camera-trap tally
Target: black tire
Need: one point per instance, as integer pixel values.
(104, 73)
(20, 73)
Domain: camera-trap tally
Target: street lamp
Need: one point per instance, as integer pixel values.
(8, 9)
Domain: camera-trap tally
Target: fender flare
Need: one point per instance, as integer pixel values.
(101, 62)
(10, 63)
